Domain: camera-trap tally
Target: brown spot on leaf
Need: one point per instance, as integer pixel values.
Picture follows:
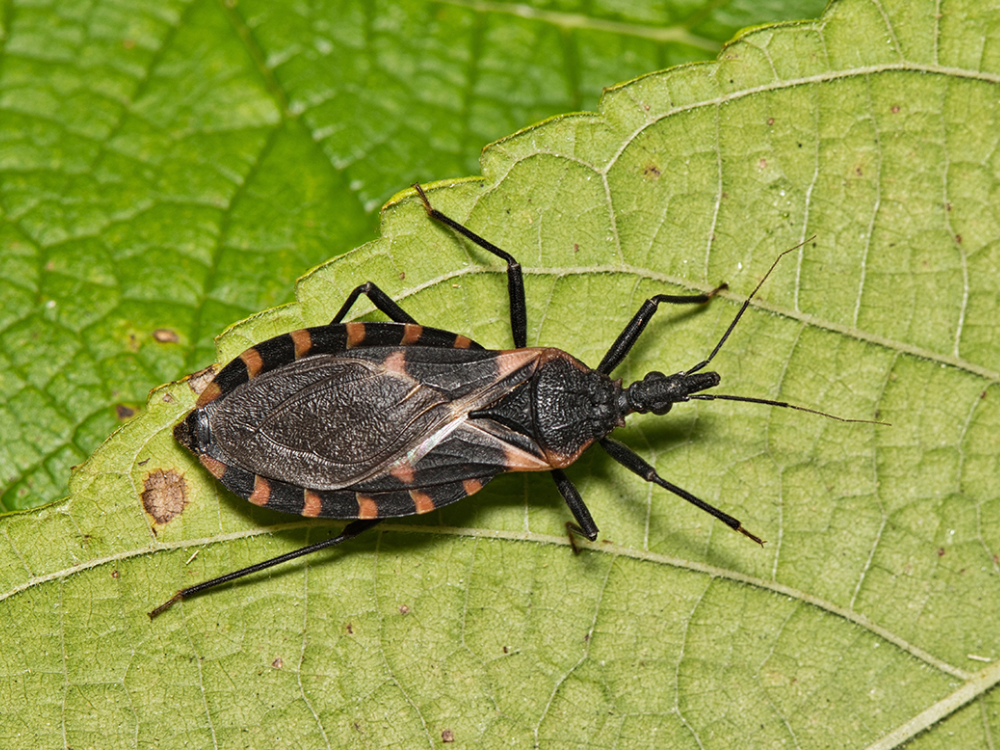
(278, 663)
(651, 171)
(165, 495)
(124, 412)
(770, 121)
(166, 336)
(895, 109)
(114, 574)
(940, 551)
(447, 736)
(403, 609)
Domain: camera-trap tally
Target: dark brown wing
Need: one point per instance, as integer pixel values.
(459, 466)
(368, 420)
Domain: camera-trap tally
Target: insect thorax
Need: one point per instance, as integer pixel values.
(574, 406)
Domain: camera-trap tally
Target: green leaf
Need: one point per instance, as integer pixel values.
(168, 168)
(870, 617)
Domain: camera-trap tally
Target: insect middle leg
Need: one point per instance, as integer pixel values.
(515, 281)
(584, 525)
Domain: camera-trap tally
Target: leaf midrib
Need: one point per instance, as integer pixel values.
(606, 548)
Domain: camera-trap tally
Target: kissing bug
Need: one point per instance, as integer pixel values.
(368, 421)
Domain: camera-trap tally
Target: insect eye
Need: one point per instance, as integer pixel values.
(654, 393)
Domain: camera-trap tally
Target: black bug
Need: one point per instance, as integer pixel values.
(368, 421)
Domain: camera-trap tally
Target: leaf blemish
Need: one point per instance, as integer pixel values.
(165, 495)
(124, 412)
(199, 381)
(166, 336)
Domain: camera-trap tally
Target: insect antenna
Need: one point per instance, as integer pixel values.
(784, 404)
(765, 401)
(701, 365)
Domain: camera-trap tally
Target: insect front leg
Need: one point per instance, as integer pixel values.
(380, 299)
(634, 463)
(515, 281)
(627, 338)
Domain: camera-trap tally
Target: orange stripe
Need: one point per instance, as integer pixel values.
(216, 467)
(211, 392)
(403, 472)
(423, 502)
(313, 506)
(303, 342)
(261, 491)
(461, 342)
(396, 363)
(254, 362)
(471, 486)
(512, 360)
(411, 334)
(367, 508)
(355, 334)
(516, 459)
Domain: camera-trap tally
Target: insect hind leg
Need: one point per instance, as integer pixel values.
(350, 531)
(515, 281)
(380, 299)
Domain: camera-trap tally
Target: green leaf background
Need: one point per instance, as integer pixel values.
(161, 182)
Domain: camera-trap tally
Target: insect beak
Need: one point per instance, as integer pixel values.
(657, 392)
